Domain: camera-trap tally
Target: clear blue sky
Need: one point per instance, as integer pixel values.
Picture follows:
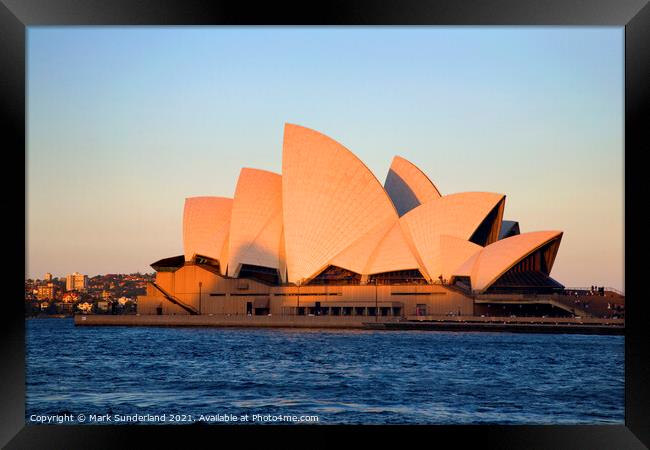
(124, 123)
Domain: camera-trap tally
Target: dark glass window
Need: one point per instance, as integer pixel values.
(336, 275)
(398, 277)
(263, 274)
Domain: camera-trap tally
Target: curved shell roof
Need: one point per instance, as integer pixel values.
(356, 256)
(392, 253)
(407, 186)
(206, 222)
(453, 253)
(256, 220)
(465, 269)
(497, 258)
(456, 215)
(327, 208)
(384, 249)
(334, 200)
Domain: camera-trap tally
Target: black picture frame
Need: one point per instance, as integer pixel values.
(634, 15)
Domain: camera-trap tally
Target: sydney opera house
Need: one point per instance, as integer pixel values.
(324, 237)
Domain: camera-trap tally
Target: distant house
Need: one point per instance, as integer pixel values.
(70, 297)
(103, 305)
(85, 307)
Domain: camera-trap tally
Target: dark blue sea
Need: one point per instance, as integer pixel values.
(340, 377)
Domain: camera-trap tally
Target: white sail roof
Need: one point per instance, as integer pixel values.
(331, 199)
(453, 253)
(206, 222)
(497, 258)
(457, 215)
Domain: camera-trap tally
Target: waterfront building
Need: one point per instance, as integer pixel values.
(76, 282)
(46, 292)
(70, 297)
(325, 237)
(85, 307)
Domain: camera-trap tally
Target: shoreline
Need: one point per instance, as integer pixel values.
(615, 330)
(493, 324)
(50, 316)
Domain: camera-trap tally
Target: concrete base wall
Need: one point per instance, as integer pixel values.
(211, 293)
(431, 323)
(228, 321)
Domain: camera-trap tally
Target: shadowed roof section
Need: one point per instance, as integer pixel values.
(457, 215)
(497, 258)
(206, 222)
(169, 264)
(407, 186)
(509, 228)
(256, 220)
(332, 200)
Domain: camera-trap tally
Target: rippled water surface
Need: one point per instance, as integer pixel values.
(370, 377)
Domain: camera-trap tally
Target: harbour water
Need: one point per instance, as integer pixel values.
(338, 376)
